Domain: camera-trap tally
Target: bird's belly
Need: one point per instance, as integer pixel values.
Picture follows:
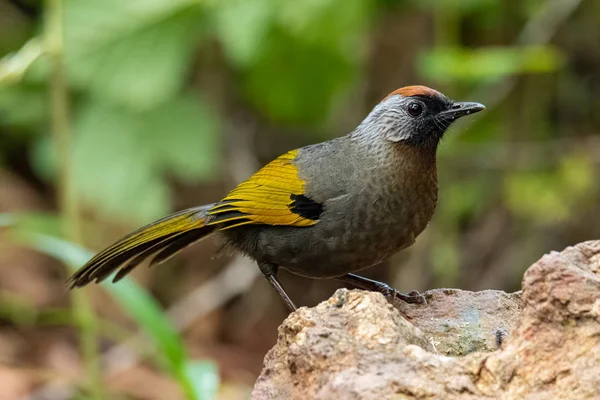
(325, 252)
(334, 246)
(331, 256)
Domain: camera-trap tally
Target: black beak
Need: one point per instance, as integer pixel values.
(460, 109)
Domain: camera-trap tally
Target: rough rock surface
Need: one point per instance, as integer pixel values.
(459, 322)
(358, 346)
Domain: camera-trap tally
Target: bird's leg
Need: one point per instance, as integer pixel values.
(383, 288)
(270, 272)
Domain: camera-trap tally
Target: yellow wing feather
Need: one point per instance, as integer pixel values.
(272, 196)
(265, 198)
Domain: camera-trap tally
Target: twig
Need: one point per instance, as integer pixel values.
(59, 112)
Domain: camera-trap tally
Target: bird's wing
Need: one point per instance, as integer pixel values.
(273, 196)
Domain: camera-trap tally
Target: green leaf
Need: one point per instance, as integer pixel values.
(242, 25)
(14, 66)
(121, 158)
(7, 220)
(22, 106)
(245, 26)
(533, 195)
(463, 5)
(138, 304)
(336, 25)
(296, 57)
(295, 82)
(48, 224)
(113, 165)
(576, 172)
(204, 377)
(135, 53)
(452, 64)
(183, 137)
(464, 198)
(199, 380)
(43, 160)
(147, 313)
(551, 196)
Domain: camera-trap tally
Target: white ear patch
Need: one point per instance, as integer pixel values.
(397, 137)
(394, 123)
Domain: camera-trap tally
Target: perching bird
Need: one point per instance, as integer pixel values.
(322, 211)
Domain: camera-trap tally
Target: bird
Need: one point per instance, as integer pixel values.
(326, 210)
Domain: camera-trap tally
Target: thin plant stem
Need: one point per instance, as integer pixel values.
(59, 120)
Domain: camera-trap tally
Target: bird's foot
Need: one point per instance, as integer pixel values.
(390, 293)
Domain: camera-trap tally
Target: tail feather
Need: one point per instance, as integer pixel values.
(160, 240)
(179, 243)
(163, 250)
(143, 255)
(101, 269)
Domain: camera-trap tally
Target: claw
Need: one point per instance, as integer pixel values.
(390, 293)
(417, 298)
(413, 297)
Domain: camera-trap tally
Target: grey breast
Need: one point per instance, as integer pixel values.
(368, 213)
(371, 210)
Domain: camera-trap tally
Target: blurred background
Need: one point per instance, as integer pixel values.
(114, 113)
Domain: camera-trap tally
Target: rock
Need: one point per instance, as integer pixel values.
(460, 322)
(357, 346)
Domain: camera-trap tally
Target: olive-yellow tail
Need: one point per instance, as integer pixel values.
(159, 241)
(272, 196)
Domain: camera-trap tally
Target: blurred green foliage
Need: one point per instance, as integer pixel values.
(139, 123)
(490, 64)
(549, 196)
(127, 63)
(198, 379)
(132, 54)
(155, 85)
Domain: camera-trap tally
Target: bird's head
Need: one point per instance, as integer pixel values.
(416, 115)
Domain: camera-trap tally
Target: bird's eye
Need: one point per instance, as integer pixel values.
(415, 109)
